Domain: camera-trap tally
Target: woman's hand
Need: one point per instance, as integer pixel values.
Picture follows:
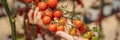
(35, 17)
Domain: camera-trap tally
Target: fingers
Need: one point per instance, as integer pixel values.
(64, 35)
(35, 15)
(36, 11)
(39, 19)
(30, 16)
(38, 15)
(36, 18)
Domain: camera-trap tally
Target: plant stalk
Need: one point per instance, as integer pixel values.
(9, 14)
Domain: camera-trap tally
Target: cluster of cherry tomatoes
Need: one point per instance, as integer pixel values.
(49, 14)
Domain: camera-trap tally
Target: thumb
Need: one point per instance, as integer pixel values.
(64, 35)
(30, 16)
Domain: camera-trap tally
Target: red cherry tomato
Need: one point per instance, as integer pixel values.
(52, 3)
(77, 23)
(60, 28)
(82, 29)
(46, 19)
(42, 6)
(57, 13)
(52, 27)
